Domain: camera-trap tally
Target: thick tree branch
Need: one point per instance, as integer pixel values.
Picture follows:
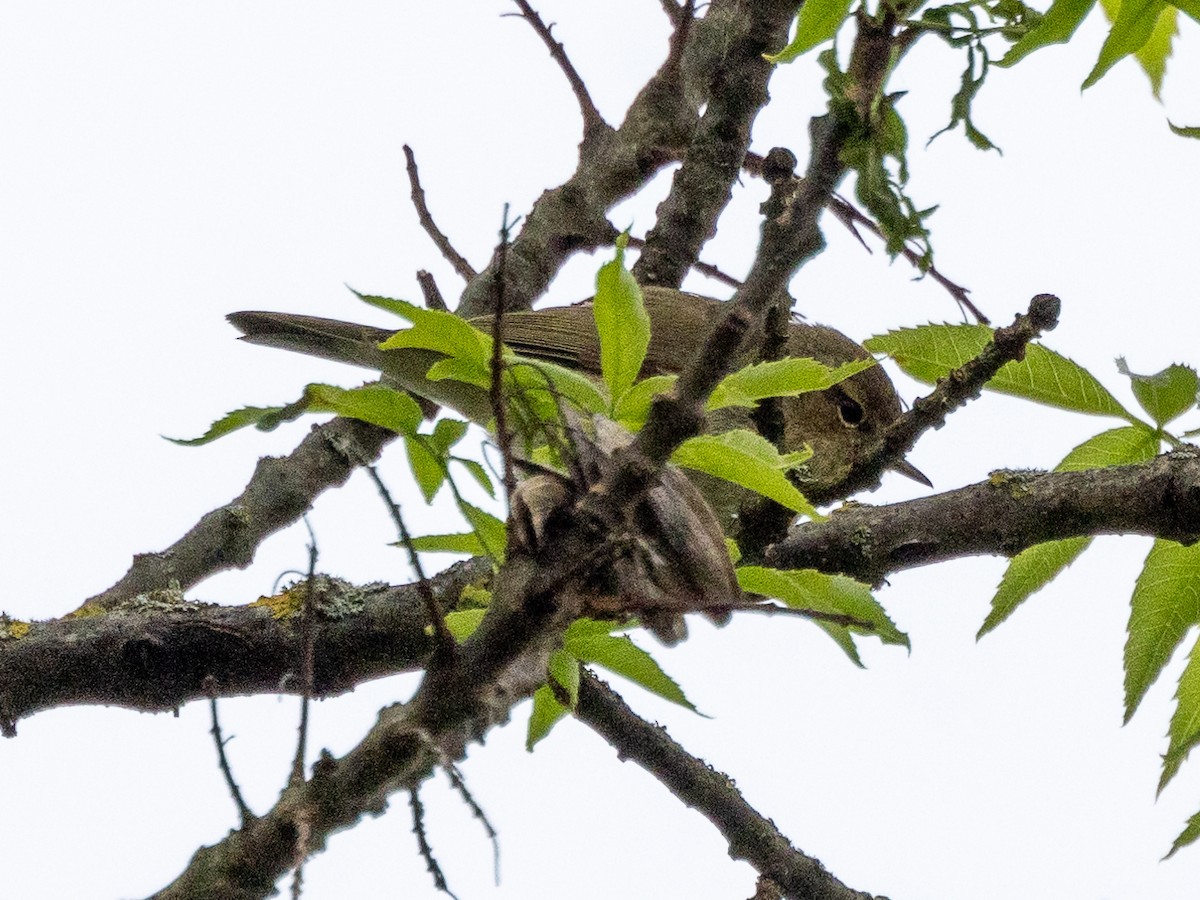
(613, 163)
(157, 652)
(703, 185)
(751, 836)
(281, 490)
(1009, 512)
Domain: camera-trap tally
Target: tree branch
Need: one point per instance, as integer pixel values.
(279, 492)
(1004, 515)
(751, 836)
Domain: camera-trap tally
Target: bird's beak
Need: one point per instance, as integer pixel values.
(908, 470)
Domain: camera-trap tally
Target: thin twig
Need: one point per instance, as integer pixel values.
(682, 17)
(496, 389)
(850, 216)
(308, 640)
(587, 109)
(431, 292)
(445, 645)
(222, 760)
(452, 256)
(431, 863)
(706, 269)
(460, 785)
(673, 10)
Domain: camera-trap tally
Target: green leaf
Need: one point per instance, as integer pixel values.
(633, 406)
(478, 473)
(812, 590)
(623, 656)
(1187, 131)
(447, 433)
(463, 622)
(931, 352)
(375, 403)
(428, 470)
(1165, 604)
(1056, 27)
(1185, 722)
(584, 628)
(622, 323)
(564, 673)
(1027, 573)
(749, 459)
(780, 378)
(538, 379)
(1132, 28)
(1187, 836)
(1165, 395)
(1034, 568)
(546, 713)
(444, 332)
(230, 422)
(1154, 53)
(1116, 447)
(817, 22)
(490, 530)
(467, 543)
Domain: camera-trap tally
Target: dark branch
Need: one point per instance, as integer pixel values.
(452, 256)
(281, 490)
(703, 184)
(751, 836)
(965, 383)
(1004, 515)
(587, 109)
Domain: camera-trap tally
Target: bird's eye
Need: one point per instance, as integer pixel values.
(850, 411)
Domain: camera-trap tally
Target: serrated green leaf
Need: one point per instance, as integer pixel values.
(435, 329)
(540, 378)
(812, 590)
(564, 672)
(477, 472)
(817, 22)
(1165, 395)
(623, 656)
(463, 622)
(931, 352)
(1132, 28)
(1056, 27)
(402, 308)
(622, 323)
(231, 422)
(1187, 131)
(375, 403)
(1165, 604)
(633, 406)
(1116, 447)
(1185, 721)
(545, 714)
(749, 459)
(780, 378)
(428, 471)
(1034, 568)
(491, 531)
(447, 433)
(1027, 573)
(1154, 53)
(467, 543)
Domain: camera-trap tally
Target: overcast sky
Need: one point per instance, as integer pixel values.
(163, 164)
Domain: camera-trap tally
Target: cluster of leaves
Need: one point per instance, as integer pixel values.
(1165, 604)
(877, 148)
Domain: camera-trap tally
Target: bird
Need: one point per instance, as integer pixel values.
(679, 561)
(843, 424)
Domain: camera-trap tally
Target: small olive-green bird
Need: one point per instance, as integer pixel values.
(842, 424)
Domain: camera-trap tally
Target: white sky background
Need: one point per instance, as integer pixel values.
(164, 164)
